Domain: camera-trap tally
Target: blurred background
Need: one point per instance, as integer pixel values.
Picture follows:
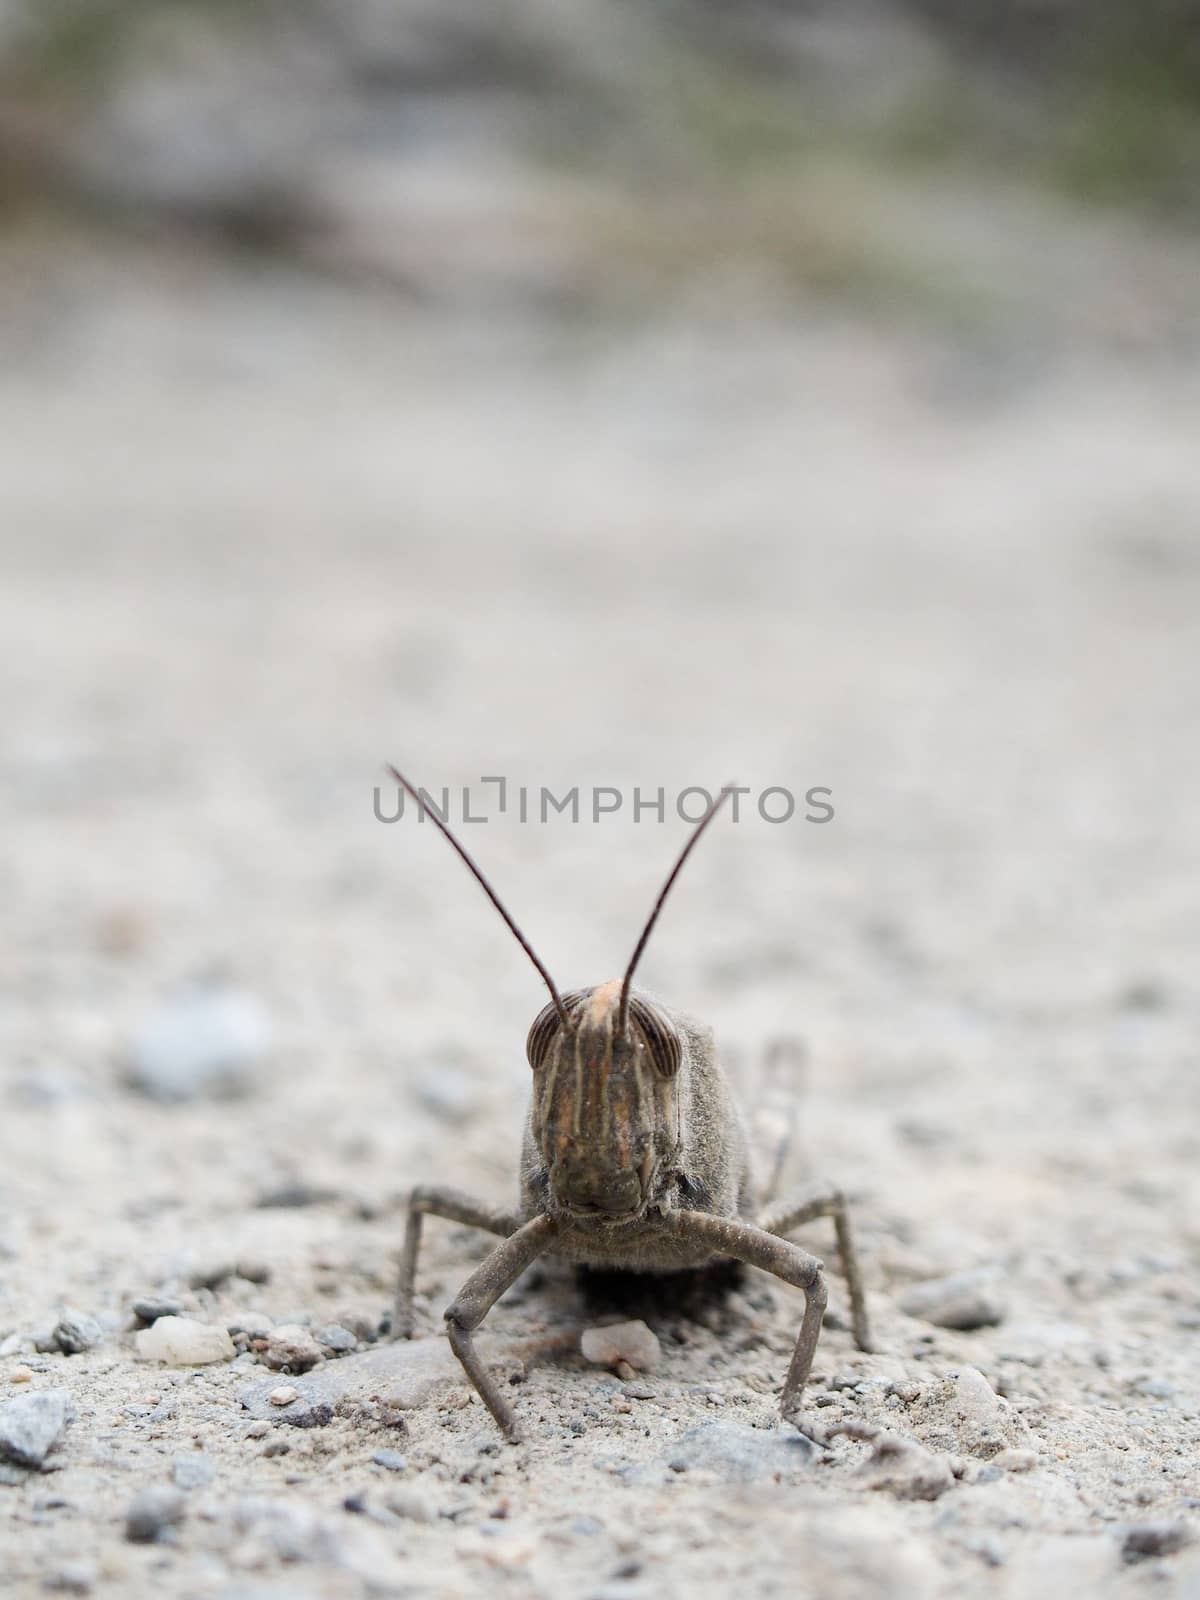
(594, 393)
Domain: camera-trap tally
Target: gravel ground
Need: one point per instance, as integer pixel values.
(262, 535)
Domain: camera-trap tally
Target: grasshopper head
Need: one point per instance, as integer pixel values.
(604, 1113)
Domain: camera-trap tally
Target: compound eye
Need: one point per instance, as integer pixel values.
(547, 1025)
(659, 1037)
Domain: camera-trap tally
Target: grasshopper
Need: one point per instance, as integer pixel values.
(634, 1157)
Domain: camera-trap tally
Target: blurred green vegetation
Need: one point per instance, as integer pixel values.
(1099, 102)
(1111, 90)
(73, 44)
(1115, 121)
(1134, 138)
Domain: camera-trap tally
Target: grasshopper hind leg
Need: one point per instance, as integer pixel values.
(823, 1199)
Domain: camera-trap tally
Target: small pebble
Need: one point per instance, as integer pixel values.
(362, 1324)
(276, 1447)
(292, 1348)
(1156, 1388)
(906, 1469)
(258, 1430)
(391, 1459)
(75, 1332)
(148, 1309)
(409, 1502)
(181, 1342)
(195, 1471)
(738, 1453)
(307, 1412)
(253, 1324)
(844, 1380)
(640, 1391)
(905, 1390)
(210, 1274)
(630, 1342)
(1147, 1539)
(284, 1395)
(20, 1375)
(963, 1415)
(205, 1039)
(963, 1301)
(31, 1425)
(336, 1338)
(152, 1513)
(73, 1577)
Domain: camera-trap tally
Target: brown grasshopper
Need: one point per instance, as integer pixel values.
(634, 1157)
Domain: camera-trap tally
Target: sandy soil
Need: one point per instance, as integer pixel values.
(262, 535)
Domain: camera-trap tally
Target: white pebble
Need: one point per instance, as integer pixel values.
(284, 1395)
(631, 1342)
(181, 1342)
(203, 1039)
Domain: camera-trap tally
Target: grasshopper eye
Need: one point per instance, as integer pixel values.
(659, 1037)
(547, 1025)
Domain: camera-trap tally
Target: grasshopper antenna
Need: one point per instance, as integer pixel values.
(623, 1014)
(495, 898)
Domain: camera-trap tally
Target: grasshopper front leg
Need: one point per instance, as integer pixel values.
(437, 1200)
(477, 1297)
(744, 1242)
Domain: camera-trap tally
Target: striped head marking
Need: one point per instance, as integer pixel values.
(604, 1115)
